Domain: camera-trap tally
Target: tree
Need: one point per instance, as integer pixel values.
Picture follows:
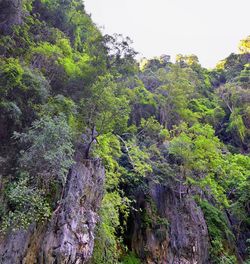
(244, 46)
(103, 108)
(173, 97)
(47, 150)
(235, 99)
(187, 60)
(121, 56)
(199, 154)
(28, 205)
(142, 103)
(22, 91)
(10, 14)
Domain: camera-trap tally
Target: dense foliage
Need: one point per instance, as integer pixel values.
(61, 79)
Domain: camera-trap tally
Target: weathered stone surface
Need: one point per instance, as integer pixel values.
(69, 236)
(184, 241)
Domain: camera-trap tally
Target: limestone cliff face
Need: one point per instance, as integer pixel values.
(69, 236)
(177, 235)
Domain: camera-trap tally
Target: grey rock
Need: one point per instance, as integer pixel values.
(69, 235)
(184, 241)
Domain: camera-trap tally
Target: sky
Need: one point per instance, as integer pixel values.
(211, 29)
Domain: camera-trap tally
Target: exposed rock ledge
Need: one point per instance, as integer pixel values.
(69, 236)
(184, 241)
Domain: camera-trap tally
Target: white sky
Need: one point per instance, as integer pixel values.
(211, 29)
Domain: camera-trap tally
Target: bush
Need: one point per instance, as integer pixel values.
(27, 204)
(130, 259)
(48, 150)
(220, 235)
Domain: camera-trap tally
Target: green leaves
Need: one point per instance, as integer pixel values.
(22, 90)
(104, 108)
(59, 77)
(244, 46)
(236, 124)
(109, 150)
(198, 147)
(11, 73)
(45, 56)
(28, 205)
(221, 237)
(48, 150)
(130, 259)
(139, 159)
(199, 153)
(173, 96)
(46, 156)
(207, 164)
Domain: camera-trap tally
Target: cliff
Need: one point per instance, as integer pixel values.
(69, 236)
(168, 228)
(173, 137)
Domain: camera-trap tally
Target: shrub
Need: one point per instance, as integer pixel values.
(48, 150)
(27, 204)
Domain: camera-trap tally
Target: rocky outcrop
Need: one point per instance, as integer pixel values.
(169, 228)
(10, 14)
(69, 236)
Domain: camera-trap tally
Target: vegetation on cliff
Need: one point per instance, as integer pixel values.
(63, 84)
